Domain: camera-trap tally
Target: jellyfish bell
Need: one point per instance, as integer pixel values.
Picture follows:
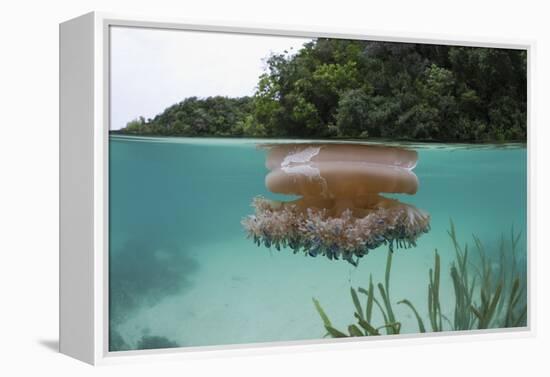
(341, 179)
(287, 154)
(340, 212)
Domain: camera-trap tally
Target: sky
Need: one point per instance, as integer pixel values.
(152, 69)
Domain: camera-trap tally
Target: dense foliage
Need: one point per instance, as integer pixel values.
(213, 116)
(359, 89)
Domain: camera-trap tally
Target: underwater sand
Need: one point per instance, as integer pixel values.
(182, 268)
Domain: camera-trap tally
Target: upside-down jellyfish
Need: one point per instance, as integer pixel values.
(340, 212)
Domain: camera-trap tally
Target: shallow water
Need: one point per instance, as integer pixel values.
(182, 271)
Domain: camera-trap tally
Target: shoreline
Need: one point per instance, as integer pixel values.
(268, 141)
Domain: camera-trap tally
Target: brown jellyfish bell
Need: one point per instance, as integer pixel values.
(340, 212)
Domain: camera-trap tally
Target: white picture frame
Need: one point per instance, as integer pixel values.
(84, 130)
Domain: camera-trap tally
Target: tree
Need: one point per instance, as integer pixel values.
(365, 89)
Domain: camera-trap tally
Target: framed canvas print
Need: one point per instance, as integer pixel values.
(230, 188)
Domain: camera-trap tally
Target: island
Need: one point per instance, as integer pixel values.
(354, 89)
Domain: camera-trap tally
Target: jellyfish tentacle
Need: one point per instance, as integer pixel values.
(316, 233)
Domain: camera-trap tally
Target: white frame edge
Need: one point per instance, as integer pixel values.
(84, 132)
(76, 178)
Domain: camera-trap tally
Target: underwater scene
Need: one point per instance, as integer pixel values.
(227, 241)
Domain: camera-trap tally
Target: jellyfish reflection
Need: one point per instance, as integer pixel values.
(340, 212)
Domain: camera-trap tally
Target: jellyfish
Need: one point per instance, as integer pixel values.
(339, 212)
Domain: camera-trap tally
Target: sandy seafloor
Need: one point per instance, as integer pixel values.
(187, 197)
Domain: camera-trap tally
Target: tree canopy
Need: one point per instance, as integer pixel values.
(335, 88)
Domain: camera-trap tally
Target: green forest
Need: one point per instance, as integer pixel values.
(351, 89)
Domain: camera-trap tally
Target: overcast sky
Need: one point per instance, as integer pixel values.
(152, 69)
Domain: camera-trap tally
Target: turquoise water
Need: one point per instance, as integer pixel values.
(183, 273)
